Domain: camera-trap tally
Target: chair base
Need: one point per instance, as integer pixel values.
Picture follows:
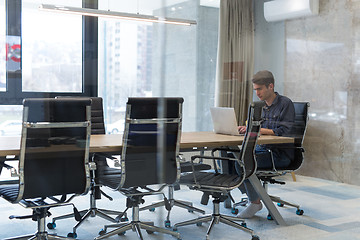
(216, 218)
(172, 202)
(103, 213)
(38, 236)
(92, 212)
(283, 202)
(136, 226)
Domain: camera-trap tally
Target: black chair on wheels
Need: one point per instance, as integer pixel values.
(149, 156)
(298, 132)
(99, 159)
(53, 163)
(218, 185)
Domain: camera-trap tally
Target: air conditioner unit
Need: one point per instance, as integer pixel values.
(278, 10)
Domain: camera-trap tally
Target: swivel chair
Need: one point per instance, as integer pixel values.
(218, 185)
(149, 156)
(97, 127)
(298, 132)
(53, 161)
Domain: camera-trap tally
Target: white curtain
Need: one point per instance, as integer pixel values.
(235, 62)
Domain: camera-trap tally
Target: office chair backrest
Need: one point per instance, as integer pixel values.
(298, 132)
(97, 113)
(54, 149)
(301, 120)
(252, 132)
(97, 116)
(145, 153)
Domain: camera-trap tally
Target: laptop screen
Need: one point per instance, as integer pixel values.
(224, 120)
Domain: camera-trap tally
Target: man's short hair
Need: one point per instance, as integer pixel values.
(264, 77)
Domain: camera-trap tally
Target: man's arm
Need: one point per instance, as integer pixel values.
(286, 120)
(266, 131)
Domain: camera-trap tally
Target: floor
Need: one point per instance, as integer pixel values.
(331, 212)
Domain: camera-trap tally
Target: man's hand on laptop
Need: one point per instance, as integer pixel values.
(241, 129)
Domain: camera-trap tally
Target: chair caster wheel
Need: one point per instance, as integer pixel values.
(152, 209)
(243, 224)
(175, 229)
(199, 224)
(269, 217)
(254, 237)
(190, 211)
(299, 212)
(167, 223)
(149, 232)
(280, 204)
(72, 235)
(51, 225)
(124, 219)
(122, 233)
(102, 232)
(234, 211)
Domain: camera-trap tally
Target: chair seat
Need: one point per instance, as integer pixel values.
(187, 167)
(210, 179)
(110, 179)
(9, 192)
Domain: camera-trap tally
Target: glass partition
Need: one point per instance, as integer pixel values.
(3, 48)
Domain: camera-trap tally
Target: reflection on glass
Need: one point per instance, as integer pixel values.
(52, 49)
(131, 54)
(10, 120)
(2, 47)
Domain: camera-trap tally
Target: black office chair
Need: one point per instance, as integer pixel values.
(53, 162)
(97, 127)
(298, 132)
(149, 156)
(218, 185)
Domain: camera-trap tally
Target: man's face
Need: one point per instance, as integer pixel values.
(263, 92)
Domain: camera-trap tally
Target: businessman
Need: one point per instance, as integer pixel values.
(278, 117)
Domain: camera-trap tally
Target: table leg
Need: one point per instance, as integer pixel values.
(266, 200)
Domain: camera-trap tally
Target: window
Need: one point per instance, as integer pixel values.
(3, 47)
(189, 57)
(10, 120)
(52, 49)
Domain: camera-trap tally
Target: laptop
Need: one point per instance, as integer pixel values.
(224, 121)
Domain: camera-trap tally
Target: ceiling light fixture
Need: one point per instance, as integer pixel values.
(117, 15)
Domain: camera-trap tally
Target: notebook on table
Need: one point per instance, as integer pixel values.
(224, 121)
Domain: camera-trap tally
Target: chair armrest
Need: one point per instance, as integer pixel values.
(212, 157)
(197, 184)
(225, 149)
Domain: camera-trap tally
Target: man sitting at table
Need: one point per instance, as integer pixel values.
(278, 116)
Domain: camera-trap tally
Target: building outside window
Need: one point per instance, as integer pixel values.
(131, 54)
(51, 48)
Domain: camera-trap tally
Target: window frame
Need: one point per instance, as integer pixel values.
(14, 94)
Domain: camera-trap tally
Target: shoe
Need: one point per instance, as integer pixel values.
(250, 210)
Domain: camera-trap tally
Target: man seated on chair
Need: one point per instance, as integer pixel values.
(278, 116)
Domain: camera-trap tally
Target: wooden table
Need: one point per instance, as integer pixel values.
(189, 141)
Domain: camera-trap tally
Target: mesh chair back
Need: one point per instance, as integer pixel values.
(144, 151)
(54, 147)
(252, 132)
